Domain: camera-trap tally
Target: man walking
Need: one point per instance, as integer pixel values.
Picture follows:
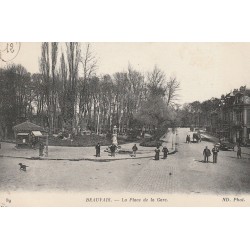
(134, 148)
(112, 149)
(215, 151)
(165, 152)
(239, 152)
(206, 153)
(98, 149)
(41, 148)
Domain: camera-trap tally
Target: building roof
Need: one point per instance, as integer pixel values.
(28, 126)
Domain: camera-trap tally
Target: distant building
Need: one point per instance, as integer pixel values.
(232, 121)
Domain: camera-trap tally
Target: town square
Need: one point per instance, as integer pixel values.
(69, 128)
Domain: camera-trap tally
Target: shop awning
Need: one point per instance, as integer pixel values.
(21, 134)
(37, 133)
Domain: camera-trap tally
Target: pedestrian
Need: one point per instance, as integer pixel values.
(41, 148)
(112, 149)
(215, 151)
(206, 153)
(187, 139)
(32, 142)
(134, 148)
(98, 150)
(239, 152)
(157, 153)
(165, 152)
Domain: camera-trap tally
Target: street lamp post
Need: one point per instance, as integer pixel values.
(172, 137)
(176, 141)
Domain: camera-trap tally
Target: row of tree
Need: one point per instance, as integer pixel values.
(67, 94)
(198, 114)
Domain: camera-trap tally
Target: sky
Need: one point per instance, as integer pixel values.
(204, 70)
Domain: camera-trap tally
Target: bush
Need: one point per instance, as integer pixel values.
(84, 141)
(148, 143)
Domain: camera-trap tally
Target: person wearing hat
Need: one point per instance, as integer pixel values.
(134, 148)
(157, 153)
(165, 152)
(206, 154)
(98, 149)
(239, 152)
(112, 149)
(215, 151)
(41, 148)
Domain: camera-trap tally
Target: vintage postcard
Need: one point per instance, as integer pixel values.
(124, 124)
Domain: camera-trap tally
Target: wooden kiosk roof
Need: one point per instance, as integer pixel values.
(28, 126)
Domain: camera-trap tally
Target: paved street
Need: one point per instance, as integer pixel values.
(182, 172)
(229, 175)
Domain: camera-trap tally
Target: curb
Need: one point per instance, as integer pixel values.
(81, 159)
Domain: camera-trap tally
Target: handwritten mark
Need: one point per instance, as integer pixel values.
(9, 51)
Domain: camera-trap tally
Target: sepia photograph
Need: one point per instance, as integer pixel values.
(124, 124)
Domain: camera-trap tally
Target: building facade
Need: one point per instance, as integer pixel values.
(232, 121)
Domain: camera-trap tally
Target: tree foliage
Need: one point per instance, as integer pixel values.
(198, 114)
(67, 94)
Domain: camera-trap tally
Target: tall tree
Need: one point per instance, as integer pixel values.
(54, 96)
(73, 58)
(173, 87)
(89, 66)
(48, 63)
(15, 97)
(63, 89)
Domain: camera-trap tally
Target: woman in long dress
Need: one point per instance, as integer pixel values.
(157, 153)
